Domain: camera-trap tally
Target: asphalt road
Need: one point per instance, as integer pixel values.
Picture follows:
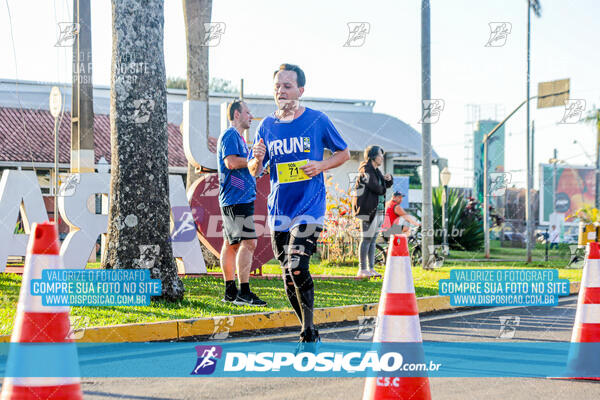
(534, 324)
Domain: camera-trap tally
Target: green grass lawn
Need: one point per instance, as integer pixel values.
(319, 269)
(203, 295)
(559, 256)
(202, 299)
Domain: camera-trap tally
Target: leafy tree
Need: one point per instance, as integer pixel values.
(176, 83)
(217, 85)
(222, 86)
(593, 117)
(414, 180)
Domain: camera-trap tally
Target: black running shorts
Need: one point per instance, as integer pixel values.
(238, 222)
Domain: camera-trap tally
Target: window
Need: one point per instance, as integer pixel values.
(414, 181)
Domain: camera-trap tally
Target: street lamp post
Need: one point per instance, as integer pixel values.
(597, 196)
(553, 161)
(445, 176)
(426, 209)
(55, 108)
(556, 91)
(532, 5)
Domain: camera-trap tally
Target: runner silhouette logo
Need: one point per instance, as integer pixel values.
(207, 359)
(184, 229)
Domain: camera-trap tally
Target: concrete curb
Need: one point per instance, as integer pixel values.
(18, 270)
(278, 276)
(217, 326)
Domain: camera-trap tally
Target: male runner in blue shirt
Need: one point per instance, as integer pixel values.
(292, 141)
(237, 192)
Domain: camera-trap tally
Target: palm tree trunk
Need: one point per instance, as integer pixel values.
(139, 216)
(196, 13)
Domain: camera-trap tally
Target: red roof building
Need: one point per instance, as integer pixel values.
(27, 136)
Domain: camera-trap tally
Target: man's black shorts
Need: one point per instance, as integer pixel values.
(238, 222)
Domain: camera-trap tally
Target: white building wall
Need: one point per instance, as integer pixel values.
(345, 174)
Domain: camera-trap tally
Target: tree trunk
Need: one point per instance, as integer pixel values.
(195, 14)
(139, 217)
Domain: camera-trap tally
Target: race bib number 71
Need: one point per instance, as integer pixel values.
(291, 172)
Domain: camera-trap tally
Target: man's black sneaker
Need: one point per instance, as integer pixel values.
(311, 335)
(249, 299)
(229, 298)
(309, 342)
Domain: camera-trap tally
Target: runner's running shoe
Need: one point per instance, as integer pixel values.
(364, 273)
(249, 299)
(229, 298)
(309, 342)
(374, 273)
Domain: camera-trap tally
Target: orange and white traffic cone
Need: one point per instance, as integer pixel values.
(587, 319)
(397, 321)
(36, 323)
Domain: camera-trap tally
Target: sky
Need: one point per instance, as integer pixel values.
(260, 35)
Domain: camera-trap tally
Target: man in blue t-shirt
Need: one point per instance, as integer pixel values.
(291, 142)
(237, 192)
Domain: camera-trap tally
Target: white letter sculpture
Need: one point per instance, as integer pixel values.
(18, 188)
(184, 236)
(195, 138)
(85, 225)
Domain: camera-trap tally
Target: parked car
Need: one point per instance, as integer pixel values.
(512, 235)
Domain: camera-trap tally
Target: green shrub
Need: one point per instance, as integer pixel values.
(464, 232)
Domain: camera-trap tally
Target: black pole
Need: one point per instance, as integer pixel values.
(547, 239)
(597, 197)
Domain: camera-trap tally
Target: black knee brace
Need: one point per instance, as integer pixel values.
(302, 279)
(297, 268)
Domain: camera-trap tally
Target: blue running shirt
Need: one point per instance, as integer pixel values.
(296, 199)
(236, 186)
